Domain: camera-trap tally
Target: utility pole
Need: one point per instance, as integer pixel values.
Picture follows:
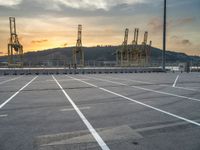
(164, 35)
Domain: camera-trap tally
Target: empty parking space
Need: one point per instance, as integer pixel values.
(100, 111)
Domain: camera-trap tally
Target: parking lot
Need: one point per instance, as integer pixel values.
(132, 111)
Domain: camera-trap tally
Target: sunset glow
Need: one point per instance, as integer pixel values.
(53, 23)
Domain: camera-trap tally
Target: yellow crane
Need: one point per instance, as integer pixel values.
(15, 49)
(77, 52)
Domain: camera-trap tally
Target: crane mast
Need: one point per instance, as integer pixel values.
(15, 49)
(78, 53)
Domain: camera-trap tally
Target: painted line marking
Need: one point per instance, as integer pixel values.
(185, 88)
(4, 115)
(146, 89)
(65, 80)
(143, 104)
(165, 93)
(161, 126)
(138, 81)
(8, 100)
(71, 109)
(175, 81)
(179, 87)
(10, 80)
(97, 137)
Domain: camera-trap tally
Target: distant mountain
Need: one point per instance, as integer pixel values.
(60, 56)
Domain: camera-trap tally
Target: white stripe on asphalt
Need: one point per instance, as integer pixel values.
(4, 115)
(185, 88)
(97, 137)
(64, 80)
(145, 89)
(138, 81)
(3, 104)
(138, 102)
(175, 81)
(10, 80)
(70, 109)
(178, 87)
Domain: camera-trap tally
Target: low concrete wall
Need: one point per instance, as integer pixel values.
(45, 71)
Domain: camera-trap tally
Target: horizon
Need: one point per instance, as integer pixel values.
(5, 55)
(44, 25)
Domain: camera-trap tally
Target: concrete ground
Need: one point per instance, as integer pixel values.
(139, 111)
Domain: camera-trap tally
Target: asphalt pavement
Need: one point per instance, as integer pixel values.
(131, 111)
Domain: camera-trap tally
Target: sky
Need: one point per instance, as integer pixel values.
(44, 24)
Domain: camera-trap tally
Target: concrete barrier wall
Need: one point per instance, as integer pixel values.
(46, 71)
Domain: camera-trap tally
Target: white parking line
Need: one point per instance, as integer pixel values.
(4, 115)
(178, 87)
(64, 80)
(138, 102)
(10, 80)
(70, 109)
(138, 81)
(185, 88)
(97, 137)
(175, 81)
(146, 89)
(3, 104)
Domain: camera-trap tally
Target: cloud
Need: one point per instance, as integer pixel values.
(180, 41)
(156, 23)
(97, 4)
(39, 41)
(103, 21)
(57, 5)
(174, 37)
(9, 2)
(186, 42)
(65, 44)
(79, 8)
(182, 21)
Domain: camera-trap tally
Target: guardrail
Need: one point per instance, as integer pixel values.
(47, 71)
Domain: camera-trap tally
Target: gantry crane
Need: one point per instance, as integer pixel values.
(143, 50)
(146, 49)
(15, 49)
(134, 49)
(134, 54)
(78, 52)
(149, 53)
(122, 54)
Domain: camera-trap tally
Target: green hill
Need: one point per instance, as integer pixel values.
(60, 56)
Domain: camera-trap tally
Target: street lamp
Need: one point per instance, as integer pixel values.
(164, 36)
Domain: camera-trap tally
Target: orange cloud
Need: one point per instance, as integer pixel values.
(180, 41)
(156, 23)
(185, 20)
(39, 41)
(186, 42)
(65, 44)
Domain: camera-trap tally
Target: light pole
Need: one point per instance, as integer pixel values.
(164, 35)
